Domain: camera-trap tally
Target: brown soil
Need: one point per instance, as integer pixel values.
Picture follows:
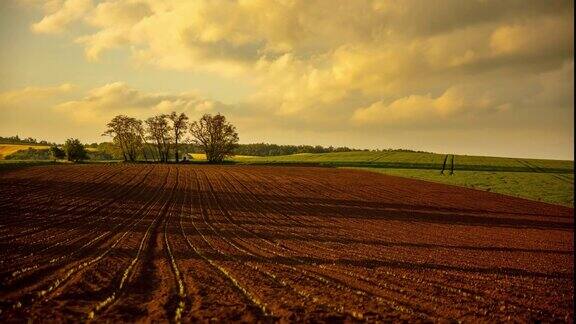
(257, 243)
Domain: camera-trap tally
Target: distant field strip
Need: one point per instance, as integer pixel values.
(7, 149)
(409, 160)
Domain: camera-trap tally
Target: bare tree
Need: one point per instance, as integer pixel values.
(159, 130)
(126, 132)
(139, 131)
(179, 127)
(216, 136)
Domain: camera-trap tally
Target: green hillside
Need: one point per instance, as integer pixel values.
(412, 160)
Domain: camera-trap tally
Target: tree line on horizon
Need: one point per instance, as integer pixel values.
(17, 140)
(112, 151)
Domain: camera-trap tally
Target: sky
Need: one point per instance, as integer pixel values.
(477, 77)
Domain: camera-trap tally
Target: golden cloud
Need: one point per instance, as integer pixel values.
(400, 61)
(102, 103)
(61, 14)
(31, 95)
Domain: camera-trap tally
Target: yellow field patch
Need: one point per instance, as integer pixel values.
(7, 149)
(202, 156)
(197, 156)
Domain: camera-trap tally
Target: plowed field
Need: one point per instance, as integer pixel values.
(246, 243)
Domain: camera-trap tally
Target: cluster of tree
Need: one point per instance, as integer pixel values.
(57, 153)
(264, 149)
(75, 150)
(217, 137)
(17, 140)
(101, 156)
(105, 151)
(136, 142)
(159, 136)
(128, 134)
(399, 150)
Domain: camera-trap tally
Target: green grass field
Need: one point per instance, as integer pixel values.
(410, 160)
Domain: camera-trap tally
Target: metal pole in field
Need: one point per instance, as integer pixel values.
(444, 164)
(452, 165)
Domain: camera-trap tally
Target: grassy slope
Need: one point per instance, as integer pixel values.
(7, 149)
(409, 160)
(546, 180)
(363, 157)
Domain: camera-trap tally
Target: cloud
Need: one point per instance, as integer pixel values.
(303, 55)
(61, 15)
(427, 109)
(26, 111)
(194, 33)
(65, 110)
(345, 66)
(545, 37)
(102, 103)
(28, 95)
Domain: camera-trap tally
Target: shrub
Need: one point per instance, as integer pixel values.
(75, 151)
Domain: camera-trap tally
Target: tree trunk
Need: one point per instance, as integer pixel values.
(176, 150)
